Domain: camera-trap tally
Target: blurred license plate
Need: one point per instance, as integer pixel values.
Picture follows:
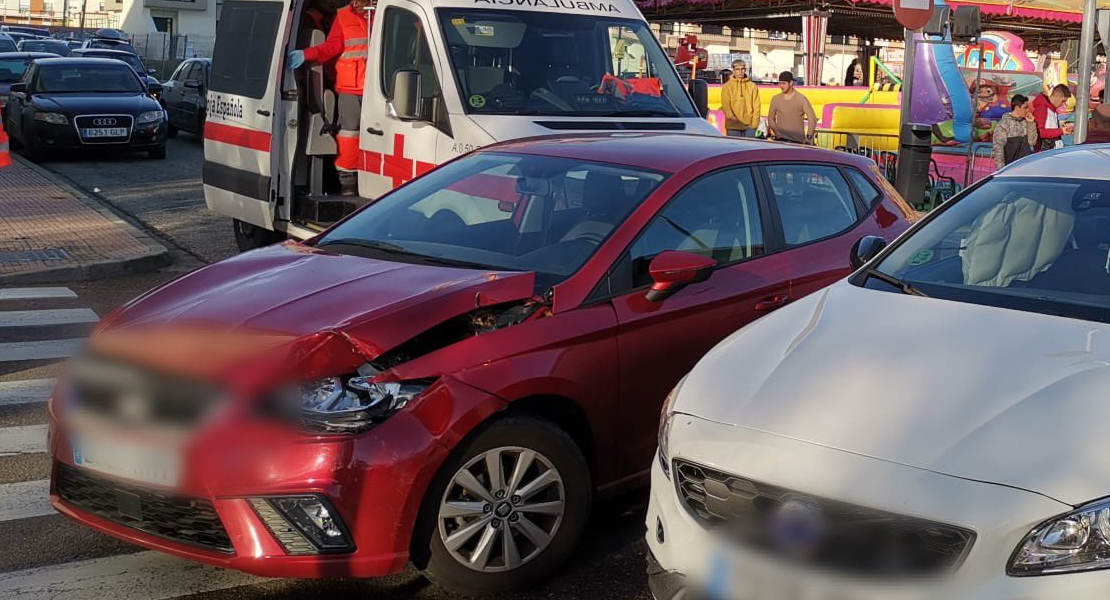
(137, 462)
(104, 132)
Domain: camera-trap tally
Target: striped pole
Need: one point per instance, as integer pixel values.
(814, 26)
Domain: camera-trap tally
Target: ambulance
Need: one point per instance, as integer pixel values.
(444, 77)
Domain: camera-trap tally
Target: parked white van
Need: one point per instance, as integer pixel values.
(443, 78)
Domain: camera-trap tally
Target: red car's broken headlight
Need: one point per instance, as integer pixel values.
(353, 403)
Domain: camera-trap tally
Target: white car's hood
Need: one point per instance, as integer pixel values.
(982, 393)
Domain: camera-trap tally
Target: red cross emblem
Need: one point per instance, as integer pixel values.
(394, 166)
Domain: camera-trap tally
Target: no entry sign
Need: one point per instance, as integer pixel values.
(913, 14)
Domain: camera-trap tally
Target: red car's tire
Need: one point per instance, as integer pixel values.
(469, 553)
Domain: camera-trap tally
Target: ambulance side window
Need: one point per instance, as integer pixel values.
(405, 46)
(244, 49)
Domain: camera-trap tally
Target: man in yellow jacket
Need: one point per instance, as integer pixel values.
(740, 102)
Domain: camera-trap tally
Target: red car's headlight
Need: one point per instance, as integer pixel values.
(353, 403)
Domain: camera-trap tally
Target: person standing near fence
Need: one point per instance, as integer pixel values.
(1098, 132)
(348, 40)
(1050, 132)
(1015, 134)
(740, 102)
(791, 117)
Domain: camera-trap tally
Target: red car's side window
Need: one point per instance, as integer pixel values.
(716, 216)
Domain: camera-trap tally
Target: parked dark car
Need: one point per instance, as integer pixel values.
(19, 36)
(109, 39)
(12, 67)
(27, 30)
(84, 103)
(132, 60)
(184, 96)
(50, 45)
(7, 44)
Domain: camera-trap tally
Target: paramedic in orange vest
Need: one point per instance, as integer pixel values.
(349, 40)
(5, 158)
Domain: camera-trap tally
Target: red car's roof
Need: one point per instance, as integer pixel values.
(670, 152)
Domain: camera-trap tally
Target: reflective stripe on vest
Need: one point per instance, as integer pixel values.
(350, 69)
(5, 160)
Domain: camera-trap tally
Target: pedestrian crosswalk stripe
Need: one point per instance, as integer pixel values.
(143, 575)
(27, 391)
(38, 350)
(36, 293)
(25, 439)
(24, 500)
(60, 316)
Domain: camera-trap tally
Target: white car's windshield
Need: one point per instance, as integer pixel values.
(538, 63)
(500, 211)
(1041, 245)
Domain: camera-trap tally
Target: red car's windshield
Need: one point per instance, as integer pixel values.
(502, 211)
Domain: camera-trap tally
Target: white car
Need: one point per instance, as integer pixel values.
(937, 421)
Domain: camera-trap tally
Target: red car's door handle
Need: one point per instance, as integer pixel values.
(773, 302)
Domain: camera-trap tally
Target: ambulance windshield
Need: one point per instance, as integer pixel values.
(539, 63)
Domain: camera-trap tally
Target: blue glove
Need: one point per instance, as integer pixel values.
(295, 59)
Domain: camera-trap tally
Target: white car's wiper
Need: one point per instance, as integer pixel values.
(905, 286)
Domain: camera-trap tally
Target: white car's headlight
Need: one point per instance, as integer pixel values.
(1076, 541)
(666, 417)
(354, 403)
(151, 116)
(52, 118)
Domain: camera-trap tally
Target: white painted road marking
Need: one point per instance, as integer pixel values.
(60, 316)
(26, 439)
(140, 576)
(35, 293)
(40, 350)
(27, 391)
(24, 500)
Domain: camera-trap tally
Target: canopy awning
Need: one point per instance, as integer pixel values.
(1041, 23)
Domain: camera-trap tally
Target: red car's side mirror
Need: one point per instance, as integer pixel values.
(673, 270)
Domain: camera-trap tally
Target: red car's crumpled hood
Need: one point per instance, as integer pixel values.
(290, 290)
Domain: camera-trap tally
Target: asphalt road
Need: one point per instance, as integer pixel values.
(45, 555)
(165, 195)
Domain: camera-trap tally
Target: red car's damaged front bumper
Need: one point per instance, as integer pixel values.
(375, 481)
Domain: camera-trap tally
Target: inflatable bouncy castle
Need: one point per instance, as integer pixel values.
(960, 94)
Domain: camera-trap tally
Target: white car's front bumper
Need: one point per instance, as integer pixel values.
(685, 555)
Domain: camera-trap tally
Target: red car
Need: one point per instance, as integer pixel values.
(450, 375)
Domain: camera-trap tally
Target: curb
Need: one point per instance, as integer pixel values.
(157, 255)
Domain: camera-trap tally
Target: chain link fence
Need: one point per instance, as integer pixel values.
(163, 52)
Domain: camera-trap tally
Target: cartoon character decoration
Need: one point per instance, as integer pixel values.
(690, 56)
(999, 51)
(991, 103)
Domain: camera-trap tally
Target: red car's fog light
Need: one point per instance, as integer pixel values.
(303, 524)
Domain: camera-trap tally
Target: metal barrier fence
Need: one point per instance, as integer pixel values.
(163, 52)
(945, 180)
(882, 148)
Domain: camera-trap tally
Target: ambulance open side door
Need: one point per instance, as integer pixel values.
(244, 135)
(399, 143)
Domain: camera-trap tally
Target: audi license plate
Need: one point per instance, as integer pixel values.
(137, 462)
(100, 132)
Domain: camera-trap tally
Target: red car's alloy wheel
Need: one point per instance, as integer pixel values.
(501, 509)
